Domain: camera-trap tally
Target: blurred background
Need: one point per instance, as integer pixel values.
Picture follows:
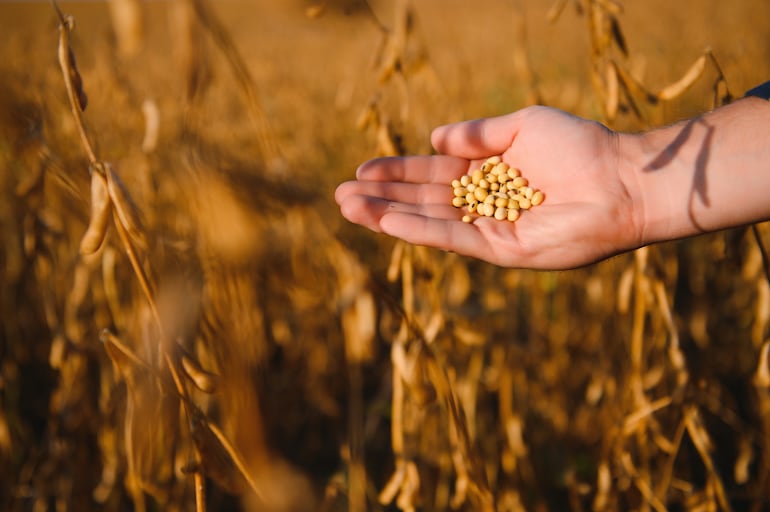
(224, 340)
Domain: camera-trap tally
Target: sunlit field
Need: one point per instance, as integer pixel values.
(188, 323)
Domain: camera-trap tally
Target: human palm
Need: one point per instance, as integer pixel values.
(587, 215)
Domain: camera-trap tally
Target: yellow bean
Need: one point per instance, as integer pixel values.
(467, 218)
(520, 181)
(537, 197)
(465, 180)
(460, 191)
(459, 202)
(456, 184)
(513, 173)
(513, 215)
(500, 213)
(476, 176)
(480, 193)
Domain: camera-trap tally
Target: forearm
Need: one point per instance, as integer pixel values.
(704, 174)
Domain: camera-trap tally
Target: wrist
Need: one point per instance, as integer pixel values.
(665, 171)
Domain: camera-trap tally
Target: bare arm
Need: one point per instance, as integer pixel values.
(606, 192)
(704, 174)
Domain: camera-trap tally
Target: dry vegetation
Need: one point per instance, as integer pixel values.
(222, 340)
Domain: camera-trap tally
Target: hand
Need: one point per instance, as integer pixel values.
(587, 215)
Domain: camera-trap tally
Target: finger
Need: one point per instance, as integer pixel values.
(477, 139)
(399, 192)
(368, 211)
(413, 169)
(447, 234)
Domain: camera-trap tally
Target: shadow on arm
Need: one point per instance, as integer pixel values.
(699, 186)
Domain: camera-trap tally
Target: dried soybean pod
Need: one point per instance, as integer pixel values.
(203, 380)
(125, 209)
(100, 216)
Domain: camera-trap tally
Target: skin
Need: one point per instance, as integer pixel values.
(606, 192)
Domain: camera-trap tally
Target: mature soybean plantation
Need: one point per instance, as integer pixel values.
(189, 324)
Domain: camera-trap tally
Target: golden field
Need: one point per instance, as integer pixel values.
(224, 340)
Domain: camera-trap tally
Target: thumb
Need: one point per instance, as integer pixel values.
(478, 138)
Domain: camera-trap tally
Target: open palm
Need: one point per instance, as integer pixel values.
(588, 213)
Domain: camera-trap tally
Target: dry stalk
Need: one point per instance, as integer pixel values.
(112, 200)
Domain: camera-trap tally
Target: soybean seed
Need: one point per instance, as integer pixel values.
(520, 181)
(494, 190)
(501, 168)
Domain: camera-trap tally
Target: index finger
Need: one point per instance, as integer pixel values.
(413, 169)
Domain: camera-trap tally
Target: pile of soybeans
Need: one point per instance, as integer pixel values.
(495, 190)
